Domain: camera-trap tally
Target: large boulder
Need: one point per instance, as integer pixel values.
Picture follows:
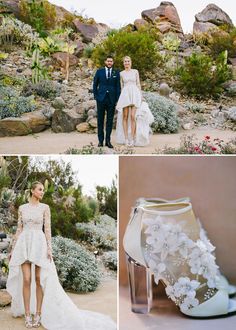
(32, 122)
(87, 31)
(5, 298)
(140, 23)
(65, 120)
(215, 15)
(165, 18)
(61, 58)
(202, 28)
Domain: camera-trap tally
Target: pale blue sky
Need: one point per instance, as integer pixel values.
(120, 12)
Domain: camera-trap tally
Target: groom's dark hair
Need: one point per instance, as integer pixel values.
(109, 56)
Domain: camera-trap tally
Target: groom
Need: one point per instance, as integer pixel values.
(106, 90)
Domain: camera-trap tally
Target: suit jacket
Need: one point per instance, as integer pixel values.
(102, 85)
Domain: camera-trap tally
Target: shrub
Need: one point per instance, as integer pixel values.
(200, 76)
(206, 146)
(13, 105)
(77, 268)
(221, 41)
(139, 45)
(14, 31)
(110, 259)
(164, 111)
(195, 107)
(45, 88)
(40, 14)
(102, 235)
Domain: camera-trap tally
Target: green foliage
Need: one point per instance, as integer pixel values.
(13, 105)
(77, 268)
(13, 31)
(195, 107)
(40, 14)
(110, 259)
(222, 41)
(139, 45)
(47, 89)
(107, 199)
(201, 76)
(5, 179)
(55, 43)
(101, 235)
(165, 113)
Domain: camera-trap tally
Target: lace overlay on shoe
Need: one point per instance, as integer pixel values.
(178, 257)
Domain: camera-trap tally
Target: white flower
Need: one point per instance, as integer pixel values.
(157, 269)
(183, 292)
(188, 303)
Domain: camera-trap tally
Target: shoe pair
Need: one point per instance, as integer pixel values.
(108, 144)
(164, 240)
(30, 323)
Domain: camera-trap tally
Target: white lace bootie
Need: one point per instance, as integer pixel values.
(28, 321)
(37, 321)
(231, 289)
(163, 241)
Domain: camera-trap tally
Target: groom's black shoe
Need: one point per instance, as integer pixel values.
(109, 145)
(100, 144)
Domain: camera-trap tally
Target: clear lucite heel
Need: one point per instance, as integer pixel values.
(140, 283)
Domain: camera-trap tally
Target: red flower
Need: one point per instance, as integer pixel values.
(207, 137)
(213, 148)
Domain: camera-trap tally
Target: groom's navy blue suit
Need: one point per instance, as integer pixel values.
(106, 92)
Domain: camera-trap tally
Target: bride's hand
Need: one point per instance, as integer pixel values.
(9, 255)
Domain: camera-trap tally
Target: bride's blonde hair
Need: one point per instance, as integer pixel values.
(34, 185)
(127, 58)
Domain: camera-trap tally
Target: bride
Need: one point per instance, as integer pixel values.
(134, 116)
(33, 281)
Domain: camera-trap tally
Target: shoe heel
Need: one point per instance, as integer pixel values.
(140, 283)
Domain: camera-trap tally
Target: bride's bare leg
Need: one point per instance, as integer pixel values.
(39, 290)
(26, 270)
(133, 122)
(125, 121)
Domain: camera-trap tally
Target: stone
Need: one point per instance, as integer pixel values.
(4, 245)
(200, 27)
(181, 111)
(48, 111)
(58, 103)
(232, 113)
(92, 113)
(5, 298)
(3, 282)
(79, 48)
(140, 23)
(83, 127)
(90, 104)
(215, 15)
(87, 31)
(61, 58)
(65, 120)
(28, 123)
(188, 126)
(93, 122)
(164, 90)
(164, 17)
(230, 87)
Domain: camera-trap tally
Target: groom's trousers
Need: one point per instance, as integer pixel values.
(106, 106)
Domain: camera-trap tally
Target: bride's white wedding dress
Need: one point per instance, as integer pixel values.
(131, 95)
(32, 244)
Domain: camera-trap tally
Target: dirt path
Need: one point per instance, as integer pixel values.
(48, 142)
(103, 300)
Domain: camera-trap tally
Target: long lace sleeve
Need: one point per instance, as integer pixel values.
(47, 228)
(19, 228)
(138, 80)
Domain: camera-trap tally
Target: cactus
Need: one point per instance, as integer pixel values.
(36, 68)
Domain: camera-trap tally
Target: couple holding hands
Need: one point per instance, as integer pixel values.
(121, 91)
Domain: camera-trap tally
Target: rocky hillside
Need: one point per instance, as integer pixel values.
(54, 84)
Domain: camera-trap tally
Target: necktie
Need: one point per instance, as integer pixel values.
(109, 73)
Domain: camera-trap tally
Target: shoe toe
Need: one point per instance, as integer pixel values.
(231, 289)
(232, 306)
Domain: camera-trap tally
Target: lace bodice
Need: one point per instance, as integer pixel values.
(130, 77)
(34, 217)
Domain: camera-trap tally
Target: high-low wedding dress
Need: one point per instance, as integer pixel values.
(131, 95)
(33, 239)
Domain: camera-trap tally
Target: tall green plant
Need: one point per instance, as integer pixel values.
(201, 76)
(38, 71)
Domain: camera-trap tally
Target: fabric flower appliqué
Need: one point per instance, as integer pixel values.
(183, 293)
